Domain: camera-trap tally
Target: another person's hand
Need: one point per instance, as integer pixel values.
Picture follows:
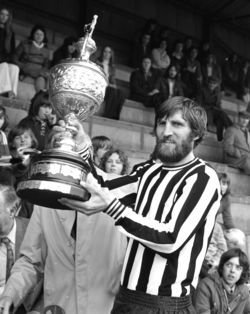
(99, 200)
(5, 305)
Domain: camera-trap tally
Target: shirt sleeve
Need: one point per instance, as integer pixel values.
(196, 203)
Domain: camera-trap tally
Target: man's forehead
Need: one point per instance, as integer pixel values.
(174, 114)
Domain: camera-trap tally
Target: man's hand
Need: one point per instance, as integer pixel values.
(5, 305)
(76, 129)
(99, 200)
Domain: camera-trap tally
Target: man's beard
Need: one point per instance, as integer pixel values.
(175, 152)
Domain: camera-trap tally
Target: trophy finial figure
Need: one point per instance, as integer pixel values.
(86, 45)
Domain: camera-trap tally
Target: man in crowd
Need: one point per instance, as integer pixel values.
(236, 144)
(12, 230)
(176, 199)
(79, 257)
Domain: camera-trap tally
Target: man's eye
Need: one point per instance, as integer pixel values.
(176, 123)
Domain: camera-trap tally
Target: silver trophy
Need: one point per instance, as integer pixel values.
(77, 88)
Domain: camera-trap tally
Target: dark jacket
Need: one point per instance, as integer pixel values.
(141, 85)
(210, 297)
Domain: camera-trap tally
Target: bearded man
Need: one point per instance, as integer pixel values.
(175, 198)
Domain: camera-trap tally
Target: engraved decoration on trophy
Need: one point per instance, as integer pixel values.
(77, 88)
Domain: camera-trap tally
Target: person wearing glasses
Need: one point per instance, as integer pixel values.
(225, 291)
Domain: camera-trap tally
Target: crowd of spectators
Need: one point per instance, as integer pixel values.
(160, 73)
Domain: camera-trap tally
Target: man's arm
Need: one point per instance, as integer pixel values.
(28, 269)
(196, 202)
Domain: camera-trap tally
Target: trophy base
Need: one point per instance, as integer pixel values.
(55, 174)
(47, 193)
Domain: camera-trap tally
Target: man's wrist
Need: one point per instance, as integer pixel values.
(115, 209)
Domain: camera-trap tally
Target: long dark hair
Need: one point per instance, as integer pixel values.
(40, 98)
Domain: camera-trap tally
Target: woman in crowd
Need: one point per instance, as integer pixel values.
(224, 291)
(114, 98)
(160, 58)
(66, 51)
(32, 57)
(115, 161)
(9, 71)
(40, 119)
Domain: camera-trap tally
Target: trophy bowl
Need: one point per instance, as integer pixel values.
(77, 88)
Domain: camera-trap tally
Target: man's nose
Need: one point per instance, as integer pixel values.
(168, 129)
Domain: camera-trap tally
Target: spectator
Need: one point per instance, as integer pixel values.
(22, 145)
(87, 250)
(177, 57)
(115, 161)
(141, 50)
(12, 230)
(244, 81)
(4, 150)
(236, 144)
(210, 69)
(231, 70)
(188, 44)
(211, 100)
(171, 85)
(191, 74)
(101, 144)
(9, 71)
(224, 291)
(114, 98)
(224, 215)
(160, 58)
(204, 52)
(32, 57)
(40, 119)
(235, 238)
(150, 27)
(145, 84)
(66, 51)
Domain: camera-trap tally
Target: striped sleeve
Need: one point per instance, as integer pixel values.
(124, 187)
(199, 197)
(85, 152)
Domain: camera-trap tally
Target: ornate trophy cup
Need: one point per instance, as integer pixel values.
(76, 87)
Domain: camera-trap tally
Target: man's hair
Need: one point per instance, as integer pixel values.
(192, 112)
(10, 198)
(101, 142)
(243, 261)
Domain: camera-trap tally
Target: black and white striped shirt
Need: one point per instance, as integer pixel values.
(169, 227)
